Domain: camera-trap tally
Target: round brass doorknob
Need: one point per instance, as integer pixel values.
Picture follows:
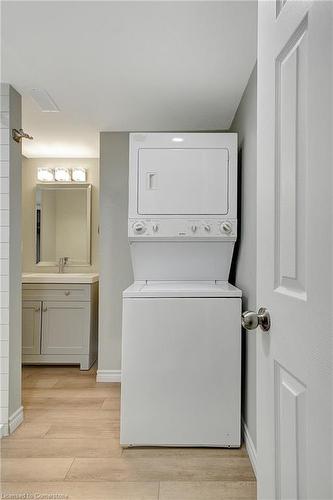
(251, 320)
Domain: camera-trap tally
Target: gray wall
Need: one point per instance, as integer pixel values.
(245, 271)
(114, 256)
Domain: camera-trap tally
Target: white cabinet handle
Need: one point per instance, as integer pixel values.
(67, 292)
(44, 309)
(37, 309)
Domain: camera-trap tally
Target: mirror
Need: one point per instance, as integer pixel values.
(62, 215)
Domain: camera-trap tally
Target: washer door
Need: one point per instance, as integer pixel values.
(181, 372)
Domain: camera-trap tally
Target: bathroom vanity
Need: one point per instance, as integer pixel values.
(59, 318)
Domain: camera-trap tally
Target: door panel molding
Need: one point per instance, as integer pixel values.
(290, 434)
(279, 6)
(291, 165)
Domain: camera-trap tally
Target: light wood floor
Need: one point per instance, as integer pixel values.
(68, 447)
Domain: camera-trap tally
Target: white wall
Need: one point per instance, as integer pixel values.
(4, 254)
(29, 179)
(244, 272)
(115, 262)
(10, 261)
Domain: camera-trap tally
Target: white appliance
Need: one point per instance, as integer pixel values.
(181, 352)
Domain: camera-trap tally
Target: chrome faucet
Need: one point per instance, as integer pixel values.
(62, 262)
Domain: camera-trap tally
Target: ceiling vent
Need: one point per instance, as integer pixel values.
(44, 101)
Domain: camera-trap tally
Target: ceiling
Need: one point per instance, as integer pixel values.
(115, 66)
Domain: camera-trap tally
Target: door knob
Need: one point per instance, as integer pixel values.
(251, 320)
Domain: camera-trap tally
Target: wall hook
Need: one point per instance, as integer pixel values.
(18, 135)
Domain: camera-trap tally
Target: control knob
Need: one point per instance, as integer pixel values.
(139, 227)
(193, 228)
(155, 228)
(207, 228)
(226, 227)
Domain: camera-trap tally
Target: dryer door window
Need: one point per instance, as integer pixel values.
(183, 181)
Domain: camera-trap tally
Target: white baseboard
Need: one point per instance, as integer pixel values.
(251, 450)
(3, 430)
(108, 376)
(15, 420)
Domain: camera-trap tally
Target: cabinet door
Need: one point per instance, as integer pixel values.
(66, 327)
(31, 326)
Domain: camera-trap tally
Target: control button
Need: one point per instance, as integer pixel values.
(194, 228)
(207, 228)
(139, 227)
(226, 227)
(155, 228)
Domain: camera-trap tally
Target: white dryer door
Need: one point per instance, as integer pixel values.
(183, 181)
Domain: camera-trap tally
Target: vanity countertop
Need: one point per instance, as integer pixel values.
(60, 277)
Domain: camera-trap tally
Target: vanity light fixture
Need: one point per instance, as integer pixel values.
(62, 174)
(79, 174)
(45, 174)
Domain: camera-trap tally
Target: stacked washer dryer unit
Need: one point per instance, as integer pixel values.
(181, 351)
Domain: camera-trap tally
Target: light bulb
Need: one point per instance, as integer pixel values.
(45, 174)
(62, 174)
(79, 174)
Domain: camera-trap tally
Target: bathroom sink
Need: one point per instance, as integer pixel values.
(60, 277)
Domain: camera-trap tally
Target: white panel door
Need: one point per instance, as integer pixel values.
(294, 359)
(31, 326)
(183, 181)
(66, 327)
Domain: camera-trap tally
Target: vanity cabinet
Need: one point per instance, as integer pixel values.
(59, 323)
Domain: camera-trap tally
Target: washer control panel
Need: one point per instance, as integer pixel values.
(183, 228)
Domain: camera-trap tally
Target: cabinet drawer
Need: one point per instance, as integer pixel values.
(56, 291)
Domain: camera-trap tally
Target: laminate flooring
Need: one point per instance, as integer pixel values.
(68, 448)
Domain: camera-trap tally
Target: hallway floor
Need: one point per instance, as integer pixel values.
(68, 447)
